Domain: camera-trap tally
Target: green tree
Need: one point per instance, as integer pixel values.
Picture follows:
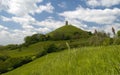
(51, 48)
(118, 33)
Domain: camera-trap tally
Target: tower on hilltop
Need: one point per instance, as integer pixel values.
(66, 23)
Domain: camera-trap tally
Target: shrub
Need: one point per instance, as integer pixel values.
(3, 57)
(108, 41)
(118, 33)
(61, 47)
(40, 54)
(116, 41)
(12, 63)
(51, 48)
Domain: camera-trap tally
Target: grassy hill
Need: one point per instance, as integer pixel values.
(68, 31)
(81, 61)
(11, 59)
(31, 50)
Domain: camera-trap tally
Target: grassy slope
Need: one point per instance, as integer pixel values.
(31, 50)
(84, 61)
(68, 30)
(38, 47)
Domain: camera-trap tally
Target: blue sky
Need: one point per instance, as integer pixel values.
(20, 18)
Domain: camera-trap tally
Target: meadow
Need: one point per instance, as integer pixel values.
(67, 50)
(102, 60)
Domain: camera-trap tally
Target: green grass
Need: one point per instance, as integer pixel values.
(68, 30)
(29, 51)
(81, 61)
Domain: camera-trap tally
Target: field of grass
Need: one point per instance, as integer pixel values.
(81, 61)
(29, 51)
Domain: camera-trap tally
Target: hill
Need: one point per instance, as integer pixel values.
(84, 61)
(68, 32)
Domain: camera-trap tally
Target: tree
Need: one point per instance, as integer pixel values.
(34, 39)
(118, 33)
(51, 48)
(42, 37)
(27, 40)
(11, 46)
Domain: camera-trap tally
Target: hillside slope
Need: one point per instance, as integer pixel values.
(84, 61)
(31, 50)
(68, 31)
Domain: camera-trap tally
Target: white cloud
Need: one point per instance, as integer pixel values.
(3, 4)
(50, 23)
(21, 9)
(24, 7)
(105, 19)
(105, 3)
(3, 27)
(3, 18)
(62, 5)
(105, 16)
(48, 8)
(28, 24)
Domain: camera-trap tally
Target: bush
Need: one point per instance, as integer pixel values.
(11, 46)
(61, 47)
(3, 57)
(51, 48)
(116, 41)
(40, 54)
(108, 41)
(12, 63)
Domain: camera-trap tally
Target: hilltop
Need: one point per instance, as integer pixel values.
(69, 32)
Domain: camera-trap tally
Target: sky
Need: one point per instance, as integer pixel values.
(21, 18)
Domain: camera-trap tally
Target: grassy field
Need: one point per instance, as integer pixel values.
(28, 51)
(81, 61)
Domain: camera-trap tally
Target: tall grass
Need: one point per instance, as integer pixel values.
(84, 61)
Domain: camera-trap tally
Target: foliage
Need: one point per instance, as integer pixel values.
(2, 47)
(99, 38)
(102, 60)
(118, 33)
(34, 39)
(12, 63)
(116, 41)
(3, 57)
(51, 48)
(12, 46)
(107, 41)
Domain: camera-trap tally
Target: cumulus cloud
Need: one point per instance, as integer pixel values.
(100, 16)
(104, 19)
(3, 27)
(48, 8)
(50, 23)
(28, 24)
(21, 10)
(104, 3)
(24, 7)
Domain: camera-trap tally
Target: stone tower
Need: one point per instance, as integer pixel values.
(66, 23)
